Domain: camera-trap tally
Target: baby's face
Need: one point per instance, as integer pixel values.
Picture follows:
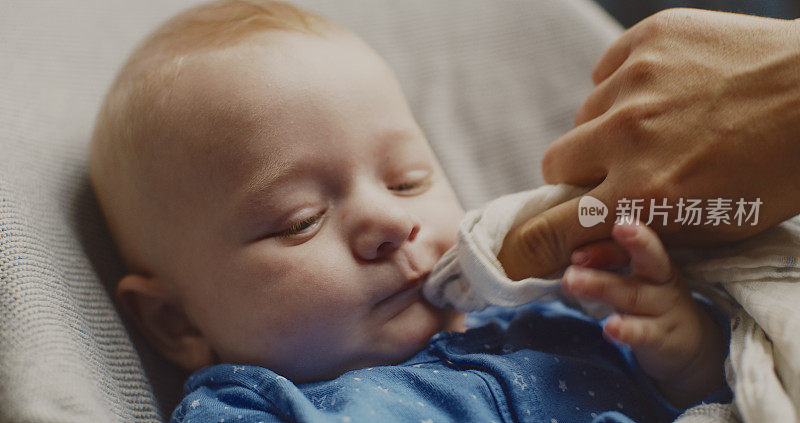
(319, 212)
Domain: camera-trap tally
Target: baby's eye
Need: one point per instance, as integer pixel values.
(405, 186)
(416, 182)
(300, 226)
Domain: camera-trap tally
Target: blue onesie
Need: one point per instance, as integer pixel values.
(541, 362)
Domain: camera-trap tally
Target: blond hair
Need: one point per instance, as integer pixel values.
(129, 131)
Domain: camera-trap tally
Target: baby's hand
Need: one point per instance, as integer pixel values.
(673, 337)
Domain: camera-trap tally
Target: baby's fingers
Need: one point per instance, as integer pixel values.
(627, 295)
(649, 260)
(637, 332)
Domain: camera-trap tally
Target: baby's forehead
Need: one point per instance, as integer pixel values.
(241, 88)
(211, 108)
(263, 89)
(288, 91)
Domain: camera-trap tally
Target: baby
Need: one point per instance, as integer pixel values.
(277, 208)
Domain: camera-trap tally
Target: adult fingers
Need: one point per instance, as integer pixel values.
(625, 294)
(619, 51)
(543, 244)
(599, 100)
(576, 158)
(649, 259)
(614, 56)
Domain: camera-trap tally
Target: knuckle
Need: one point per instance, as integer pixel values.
(542, 242)
(598, 287)
(663, 20)
(633, 298)
(634, 112)
(660, 26)
(674, 13)
(642, 69)
(651, 26)
(620, 121)
(635, 122)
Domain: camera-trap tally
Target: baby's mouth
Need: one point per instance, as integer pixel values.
(402, 298)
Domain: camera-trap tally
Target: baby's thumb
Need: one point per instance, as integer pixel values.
(543, 244)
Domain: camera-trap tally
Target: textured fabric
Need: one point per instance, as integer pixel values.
(762, 274)
(541, 362)
(710, 413)
(491, 83)
(469, 277)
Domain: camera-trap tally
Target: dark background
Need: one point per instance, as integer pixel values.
(628, 12)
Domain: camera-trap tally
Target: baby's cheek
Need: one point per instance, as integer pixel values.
(328, 283)
(446, 221)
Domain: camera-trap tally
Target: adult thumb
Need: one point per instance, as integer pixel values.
(543, 244)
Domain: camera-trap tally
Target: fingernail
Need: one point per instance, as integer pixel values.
(579, 257)
(614, 320)
(611, 326)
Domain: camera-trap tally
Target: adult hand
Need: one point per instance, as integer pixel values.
(687, 104)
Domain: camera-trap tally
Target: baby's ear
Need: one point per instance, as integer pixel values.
(158, 314)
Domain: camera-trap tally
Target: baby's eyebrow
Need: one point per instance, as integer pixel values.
(392, 137)
(250, 199)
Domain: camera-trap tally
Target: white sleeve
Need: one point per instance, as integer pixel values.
(469, 277)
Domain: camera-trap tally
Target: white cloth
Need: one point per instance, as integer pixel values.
(762, 274)
(756, 281)
(469, 277)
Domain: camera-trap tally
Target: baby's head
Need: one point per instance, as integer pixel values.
(273, 198)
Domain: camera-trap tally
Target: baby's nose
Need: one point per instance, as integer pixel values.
(383, 230)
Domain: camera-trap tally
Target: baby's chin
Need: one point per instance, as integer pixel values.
(401, 337)
(410, 331)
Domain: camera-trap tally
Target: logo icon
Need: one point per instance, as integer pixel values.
(591, 211)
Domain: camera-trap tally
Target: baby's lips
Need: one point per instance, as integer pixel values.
(418, 281)
(408, 284)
